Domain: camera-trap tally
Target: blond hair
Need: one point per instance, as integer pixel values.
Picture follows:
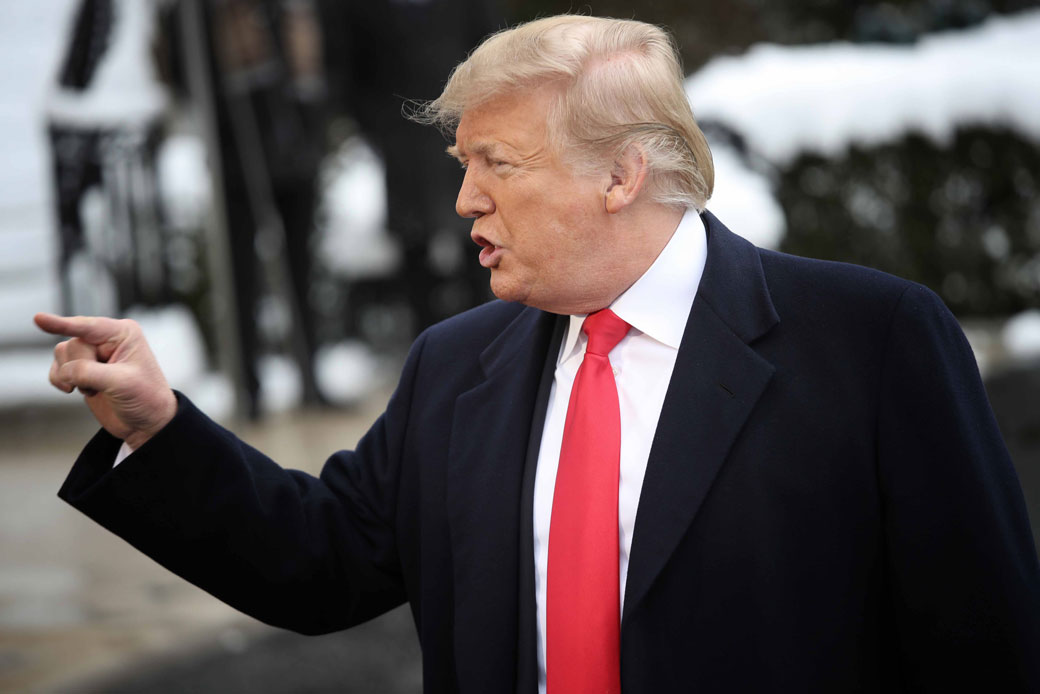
(620, 85)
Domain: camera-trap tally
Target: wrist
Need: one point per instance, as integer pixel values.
(165, 412)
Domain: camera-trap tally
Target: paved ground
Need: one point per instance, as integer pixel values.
(81, 611)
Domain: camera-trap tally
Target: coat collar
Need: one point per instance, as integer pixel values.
(717, 380)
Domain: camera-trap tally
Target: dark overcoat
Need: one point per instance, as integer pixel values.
(828, 505)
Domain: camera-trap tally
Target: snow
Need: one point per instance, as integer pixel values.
(124, 90)
(744, 200)
(347, 371)
(355, 243)
(786, 100)
(185, 184)
(281, 387)
(33, 36)
(32, 41)
(1021, 335)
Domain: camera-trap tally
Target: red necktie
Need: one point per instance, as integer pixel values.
(583, 616)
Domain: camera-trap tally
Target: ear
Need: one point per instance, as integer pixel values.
(627, 179)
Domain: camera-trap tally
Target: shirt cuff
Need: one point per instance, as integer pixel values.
(124, 453)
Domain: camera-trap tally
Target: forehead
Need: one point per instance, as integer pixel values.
(514, 121)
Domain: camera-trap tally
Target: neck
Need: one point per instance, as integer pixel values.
(641, 235)
(633, 242)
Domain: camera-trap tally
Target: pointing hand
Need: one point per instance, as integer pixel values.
(112, 365)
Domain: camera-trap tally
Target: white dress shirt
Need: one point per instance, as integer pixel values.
(657, 307)
(123, 454)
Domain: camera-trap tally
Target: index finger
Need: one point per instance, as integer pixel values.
(95, 330)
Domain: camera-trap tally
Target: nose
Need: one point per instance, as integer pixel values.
(472, 201)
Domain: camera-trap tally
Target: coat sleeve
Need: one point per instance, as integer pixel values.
(962, 567)
(309, 554)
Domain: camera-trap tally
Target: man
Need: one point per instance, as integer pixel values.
(809, 491)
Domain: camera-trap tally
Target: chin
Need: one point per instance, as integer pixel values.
(505, 290)
(524, 297)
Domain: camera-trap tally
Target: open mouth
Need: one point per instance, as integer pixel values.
(490, 254)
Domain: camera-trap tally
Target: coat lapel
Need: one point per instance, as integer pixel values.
(490, 431)
(716, 382)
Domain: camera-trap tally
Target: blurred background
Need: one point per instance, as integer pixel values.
(237, 176)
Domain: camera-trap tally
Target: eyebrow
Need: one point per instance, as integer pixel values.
(484, 149)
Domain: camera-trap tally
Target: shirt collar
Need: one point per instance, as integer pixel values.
(659, 302)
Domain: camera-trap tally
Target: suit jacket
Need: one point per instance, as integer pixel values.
(828, 505)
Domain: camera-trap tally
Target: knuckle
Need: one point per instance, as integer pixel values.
(74, 371)
(57, 381)
(69, 371)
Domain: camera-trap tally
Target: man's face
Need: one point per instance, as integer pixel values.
(540, 225)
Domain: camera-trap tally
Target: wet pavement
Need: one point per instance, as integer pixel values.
(82, 611)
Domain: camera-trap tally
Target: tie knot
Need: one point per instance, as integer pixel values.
(605, 330)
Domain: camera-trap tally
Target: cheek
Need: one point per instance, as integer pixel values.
(568, 232)
(550, 231)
